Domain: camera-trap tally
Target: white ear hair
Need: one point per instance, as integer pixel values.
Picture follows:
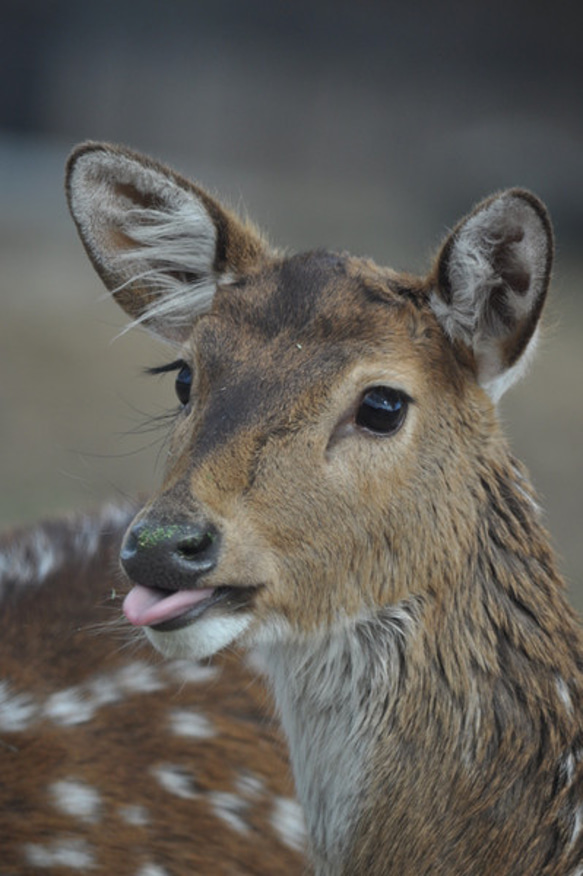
(159, 242)
(491, 282)
(173, 255)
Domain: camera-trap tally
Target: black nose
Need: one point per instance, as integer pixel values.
(169, 555)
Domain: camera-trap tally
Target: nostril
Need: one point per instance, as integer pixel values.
(129, 546)
(194, 545)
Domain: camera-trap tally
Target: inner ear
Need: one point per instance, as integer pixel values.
(145, 200)
(160, 243)
(492, 279)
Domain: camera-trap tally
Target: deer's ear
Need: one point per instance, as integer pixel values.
(490, 284)
(159, 243)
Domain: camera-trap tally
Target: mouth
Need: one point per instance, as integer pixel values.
(168, 610)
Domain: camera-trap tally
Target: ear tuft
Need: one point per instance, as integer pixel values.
(160, 243)
(491, 281)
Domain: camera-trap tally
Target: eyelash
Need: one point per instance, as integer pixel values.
(183, 382)
(165, 369)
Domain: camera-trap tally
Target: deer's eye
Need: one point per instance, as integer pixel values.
(382, 410)
(183, 383)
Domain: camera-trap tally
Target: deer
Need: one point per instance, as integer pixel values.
(340, 511)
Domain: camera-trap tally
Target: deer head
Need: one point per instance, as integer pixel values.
(333, 415)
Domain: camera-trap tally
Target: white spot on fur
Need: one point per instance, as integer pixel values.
(254, 658)
(35, 553)
(229, 808)
(250, 786)
(138, 677)
(176, 780)
(104, 690)
(77, 705)
(77, 799)
(67, 852)
(137, 816)
(87, 536)
(152, 870)
(69, 707)
(17, 711)
(287, 819)
(191, 672)
(47, 558)
(188, 723)
(30, 559)
(201, 639)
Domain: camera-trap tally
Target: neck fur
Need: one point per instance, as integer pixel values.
(332, 692)
(446, 724)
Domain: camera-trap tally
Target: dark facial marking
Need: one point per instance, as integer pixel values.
(309, 316)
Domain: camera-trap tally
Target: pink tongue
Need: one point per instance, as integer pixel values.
(144, 606)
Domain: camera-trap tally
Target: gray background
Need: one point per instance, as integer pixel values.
(371, 127)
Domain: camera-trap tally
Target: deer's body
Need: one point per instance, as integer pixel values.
(339, 498)
(115, 763)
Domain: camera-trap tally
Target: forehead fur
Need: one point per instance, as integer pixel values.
(305, 321)
(318, 294)
(277, 341)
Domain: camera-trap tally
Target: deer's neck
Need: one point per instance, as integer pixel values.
(443, 734)
(331, 693)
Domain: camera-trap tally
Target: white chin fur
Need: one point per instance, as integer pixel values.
(203, 638)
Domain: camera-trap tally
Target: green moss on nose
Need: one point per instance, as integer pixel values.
(149, 538)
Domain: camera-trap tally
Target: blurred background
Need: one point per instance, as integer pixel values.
(369, 126)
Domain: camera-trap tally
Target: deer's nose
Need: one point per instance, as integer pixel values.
(171, 556)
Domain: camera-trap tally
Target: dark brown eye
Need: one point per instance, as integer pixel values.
(382, 410)
(183, 384)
